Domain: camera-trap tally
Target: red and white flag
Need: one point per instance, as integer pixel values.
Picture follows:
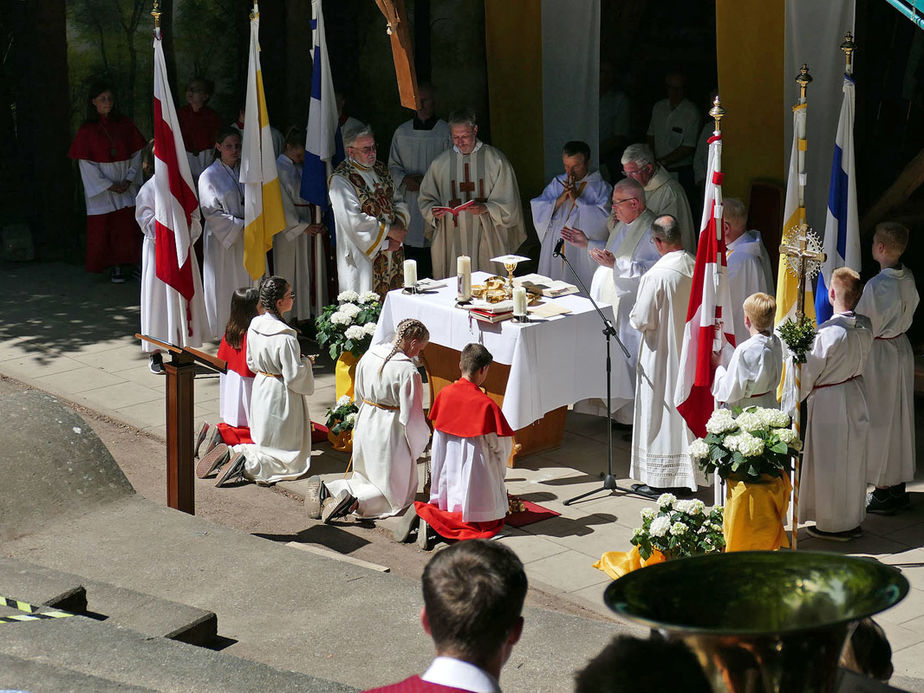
(176, 207)
(709, 298)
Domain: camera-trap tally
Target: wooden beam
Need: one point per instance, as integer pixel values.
(402, 51)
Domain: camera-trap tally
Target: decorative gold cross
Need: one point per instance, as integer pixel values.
(799, 244)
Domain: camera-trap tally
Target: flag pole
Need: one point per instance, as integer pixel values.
(717, 113)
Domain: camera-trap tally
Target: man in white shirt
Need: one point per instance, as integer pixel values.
(675, 123)
(474, 623)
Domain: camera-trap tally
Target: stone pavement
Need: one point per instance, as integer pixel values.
(71, 334)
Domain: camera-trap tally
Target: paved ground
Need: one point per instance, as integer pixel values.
(70, 334)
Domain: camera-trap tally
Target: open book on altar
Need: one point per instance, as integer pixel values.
(454, 211)
(545, 285)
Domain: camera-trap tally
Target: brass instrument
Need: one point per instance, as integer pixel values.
(760, 621)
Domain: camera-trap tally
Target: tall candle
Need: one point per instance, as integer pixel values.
(464, 277)
(519, 301)
(410, 274)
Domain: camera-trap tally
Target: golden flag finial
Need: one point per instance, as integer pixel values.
(803, 79)
(717, 113)
(156, 14)
(848, 46)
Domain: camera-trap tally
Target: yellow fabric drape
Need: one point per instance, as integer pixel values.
(754, 514)
(618, 563)
(344, 372)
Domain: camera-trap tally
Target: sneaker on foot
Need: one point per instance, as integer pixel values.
(200, 437)
(902, 497)
(212, 439)
(405, 525)
(846, 535)
(234, 470)
(156, 364)
(882, 502)
(337, 506)
(212, 460)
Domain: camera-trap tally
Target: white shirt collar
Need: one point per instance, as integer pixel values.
(477, 147)
(447, 671)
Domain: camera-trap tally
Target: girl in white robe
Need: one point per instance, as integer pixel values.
(279, 421)
(390, 432)
(165, 314)
(221, 196)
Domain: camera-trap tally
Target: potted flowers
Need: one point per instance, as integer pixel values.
(346, 330)
(751, 451)
(677, 529)
(340, 420)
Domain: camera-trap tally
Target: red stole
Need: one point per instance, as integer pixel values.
(199, 129)
(415, 684)
(463, 410)
(107, 141)
(236, 358)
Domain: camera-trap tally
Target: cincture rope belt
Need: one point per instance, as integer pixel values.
(819, 387)
(381, 406)
(270, 375)
(889, 339)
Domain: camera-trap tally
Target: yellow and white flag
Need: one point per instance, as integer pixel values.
(787, 282)
(263, 213)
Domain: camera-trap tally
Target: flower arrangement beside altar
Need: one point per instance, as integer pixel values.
(679, 529)
(348, 325)
(751, 450)
(340, 420)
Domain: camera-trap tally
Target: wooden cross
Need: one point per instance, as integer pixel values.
(797, 247)
(402, 51)
(467, 187)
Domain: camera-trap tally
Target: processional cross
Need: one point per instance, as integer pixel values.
(801, 246)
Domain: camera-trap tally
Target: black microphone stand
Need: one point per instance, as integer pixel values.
(609, 480)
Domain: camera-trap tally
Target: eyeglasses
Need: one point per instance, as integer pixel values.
(364, 150)
(638, 170)
(291, 294)
(625, 199)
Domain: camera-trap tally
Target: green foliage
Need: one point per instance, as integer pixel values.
(798, 337)
(679, 528)
(348, 325)
(342, 415)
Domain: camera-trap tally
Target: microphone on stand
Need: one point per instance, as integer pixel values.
(558, 248)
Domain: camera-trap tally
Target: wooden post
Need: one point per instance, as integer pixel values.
(181, 371)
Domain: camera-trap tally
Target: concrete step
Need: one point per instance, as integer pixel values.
(141, 612)
(80, 654)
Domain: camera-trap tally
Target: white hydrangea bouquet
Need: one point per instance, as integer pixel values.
(746, 444)
(350, 324)
(679, 528)
(342, 416)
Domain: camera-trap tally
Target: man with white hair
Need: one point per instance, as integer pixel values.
(660, 436)
(664, 194)
(749, 269)
(580, 199)
(628, 253)
(371, 218)
(477, 173)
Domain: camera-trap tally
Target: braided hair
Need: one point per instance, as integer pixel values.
(408, 329)
(272, 290)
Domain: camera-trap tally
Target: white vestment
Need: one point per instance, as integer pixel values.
(292, 246)
(389, 434)
(748, 272)
(163, 309)
(468, 475)
(833, 488)
(660, 436)
(486, 176)
(889, 300)
(664, 195)
(674, 127)
(589, 213)
(221, 198)
(280, 425)
(750, 373)
(234, 393)
(361, 235)
(412, 152)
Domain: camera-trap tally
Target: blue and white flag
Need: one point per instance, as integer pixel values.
(842, 226)
(320, 141)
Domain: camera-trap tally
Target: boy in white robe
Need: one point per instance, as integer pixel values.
(472, 442)
(749, 269)
(749, 374)
(834, 475)
(889, 300)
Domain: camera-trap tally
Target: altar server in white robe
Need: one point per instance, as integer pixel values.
(390, 431)
(470, 171)
(371, 219)
(664, 194)
(748, 263)
(165, 313)
(294, 247)
(834, 475)
(472, 442)
(280, 424)
(579, 199)
(889, 301)
(628, 253)
(660, 436)
(414, 146)
(747, 376)
(221, 197)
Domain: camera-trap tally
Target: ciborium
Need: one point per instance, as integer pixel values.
(760, 621)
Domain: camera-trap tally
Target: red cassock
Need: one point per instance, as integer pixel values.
(237, 362)
(415, 684)
(462, 409)
(199, 128)
(113, 236)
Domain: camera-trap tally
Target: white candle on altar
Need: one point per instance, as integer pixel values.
(464, 277)
(519, 301)
(410, 274)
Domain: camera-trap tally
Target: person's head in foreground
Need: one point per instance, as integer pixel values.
(845, 290)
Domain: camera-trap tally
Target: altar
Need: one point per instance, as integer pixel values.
(540, 367)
